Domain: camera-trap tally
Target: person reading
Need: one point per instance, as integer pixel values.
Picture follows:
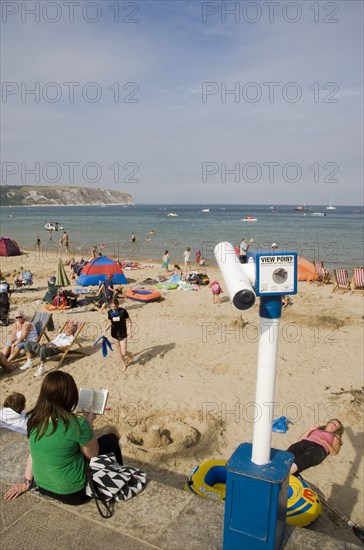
(61, 443)
(58, 345)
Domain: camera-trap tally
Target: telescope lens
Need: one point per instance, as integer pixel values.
(244, 299)
(280, 276)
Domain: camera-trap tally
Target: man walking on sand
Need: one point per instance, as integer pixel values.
(65, 240)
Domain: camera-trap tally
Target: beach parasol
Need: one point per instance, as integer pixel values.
(61, 279)
(61, 275)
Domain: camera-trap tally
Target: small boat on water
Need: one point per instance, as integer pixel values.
(53, 226)
(301, 208)
(206, 210)
(331, 206)
(249, 219)
(318, 214)
(172, 215)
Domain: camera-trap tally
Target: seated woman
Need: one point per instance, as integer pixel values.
(315, 444)
(177, 270)
(23, 331)
(52, 290)
(61, 443)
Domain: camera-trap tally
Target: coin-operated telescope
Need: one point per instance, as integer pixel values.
(257, 469)
(238, 278)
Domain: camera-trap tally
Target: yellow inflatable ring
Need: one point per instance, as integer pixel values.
(208, 480)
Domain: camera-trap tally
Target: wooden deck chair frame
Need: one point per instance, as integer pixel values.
(341, 280)
(43, 332)
(357, 282)
(323, 275)
(69, 351)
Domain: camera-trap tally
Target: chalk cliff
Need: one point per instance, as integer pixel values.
(34, 195)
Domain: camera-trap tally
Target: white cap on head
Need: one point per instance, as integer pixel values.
(274, 245)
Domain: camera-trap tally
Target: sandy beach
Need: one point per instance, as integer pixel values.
(194, 369)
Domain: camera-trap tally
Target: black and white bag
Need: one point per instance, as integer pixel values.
(109, 481)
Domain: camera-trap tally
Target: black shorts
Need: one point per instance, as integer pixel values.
(307, 454)
(118, 335)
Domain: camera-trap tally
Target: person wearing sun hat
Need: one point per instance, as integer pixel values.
(23, 331)
(274, 246)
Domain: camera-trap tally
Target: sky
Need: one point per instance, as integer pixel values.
(185, 101)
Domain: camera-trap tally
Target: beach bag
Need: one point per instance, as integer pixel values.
(203, 279)
(108, 482)
(71, 301)
(60, 300)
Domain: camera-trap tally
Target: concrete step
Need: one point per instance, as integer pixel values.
(161, 517)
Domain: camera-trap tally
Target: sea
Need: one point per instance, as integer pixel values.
(336, 238)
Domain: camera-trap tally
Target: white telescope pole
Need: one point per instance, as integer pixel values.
(264, 396)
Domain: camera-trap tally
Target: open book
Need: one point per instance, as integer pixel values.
(92, 400)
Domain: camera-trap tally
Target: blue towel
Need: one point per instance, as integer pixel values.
(280, 425)
(105, 343)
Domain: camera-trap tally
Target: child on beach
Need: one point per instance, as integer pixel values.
(216, 291)
(12, 416)
(117, 318)
(166, 259)
(198, 256)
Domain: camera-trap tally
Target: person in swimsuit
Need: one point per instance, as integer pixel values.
(316, 444)
(166, 259)
(117, 318)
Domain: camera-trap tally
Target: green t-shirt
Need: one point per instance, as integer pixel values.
(57, 462)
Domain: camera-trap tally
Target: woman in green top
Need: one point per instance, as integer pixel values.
(61, 443)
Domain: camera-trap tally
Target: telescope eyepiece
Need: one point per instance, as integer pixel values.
(244, 299)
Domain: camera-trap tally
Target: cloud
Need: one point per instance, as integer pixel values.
(171, 92)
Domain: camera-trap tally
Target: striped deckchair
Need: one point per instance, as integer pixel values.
(358, 279)
(341, 280)
(79, 352)
(323, 275)
(42, 322)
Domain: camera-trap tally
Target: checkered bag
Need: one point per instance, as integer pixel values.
(109, 481)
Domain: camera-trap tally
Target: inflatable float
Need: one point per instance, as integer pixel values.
(249, 219)
(208, 480)
(167, 286)
(142, 295)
